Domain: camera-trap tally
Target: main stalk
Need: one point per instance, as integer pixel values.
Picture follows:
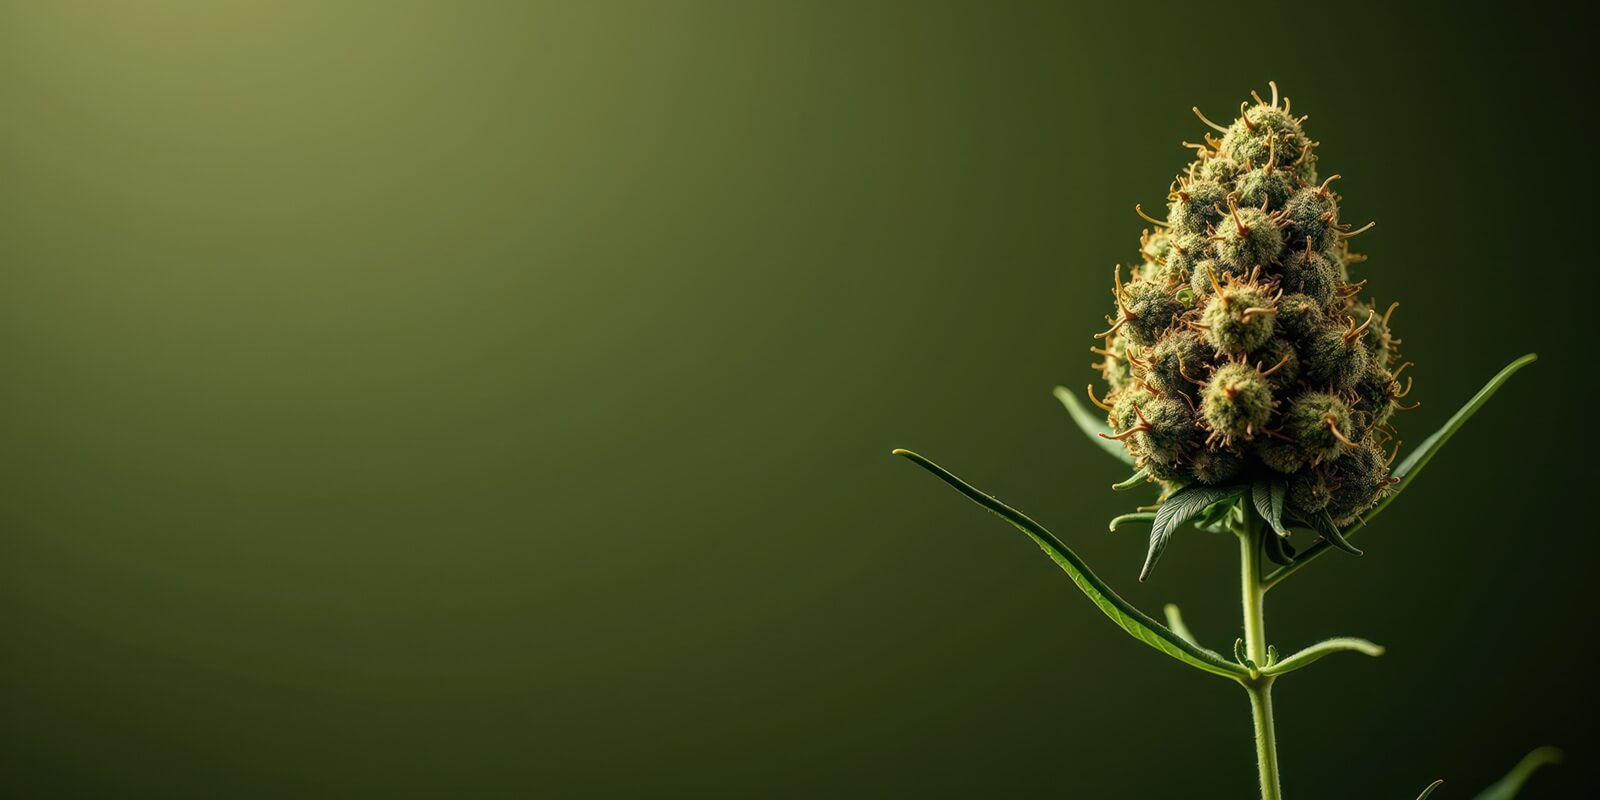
(1255, 641)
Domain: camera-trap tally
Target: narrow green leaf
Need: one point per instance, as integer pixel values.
(1178, 509)
(1268, 497)
(1278, 549)
(1320, 649)
(1272, 655)
(1413, 463)
(1506, 788)
(1239, 653)
(1323, 524)
(1136, 479)
(1138, 625)
(1093, 424)
(1425, 792)
(1137, 516)
(1176, 624)
(1419, 457)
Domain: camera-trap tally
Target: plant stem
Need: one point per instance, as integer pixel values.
(1255, 639)
(1266, 738)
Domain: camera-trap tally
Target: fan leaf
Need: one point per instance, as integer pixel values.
(1178, 509)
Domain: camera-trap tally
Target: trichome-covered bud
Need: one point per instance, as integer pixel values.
(1238, 318)
(1312, 274)
(1334, 357)
(1236, 402)
(1356, 482)
(1168, 363)
(1311, 213)
(1195, 207)
(1248, 237)
(1215, 467)
(1240, 349)
(1321, 424)
(1148, 307)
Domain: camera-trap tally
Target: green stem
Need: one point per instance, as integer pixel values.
(1266, 738)
(1255, 640)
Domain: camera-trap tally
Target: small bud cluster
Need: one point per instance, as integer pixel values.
(1241, 348)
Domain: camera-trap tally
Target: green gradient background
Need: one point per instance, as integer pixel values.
(492, 399)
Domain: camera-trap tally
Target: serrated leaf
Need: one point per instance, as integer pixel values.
(1506, 788)
(1135, 622)
(1217, 517)
(1178, 509)
(1323, 524)
(1268, 498)
(1092, 424)
(1425, 792)
(1320, 649)
(1413, 463)
(1137, 516)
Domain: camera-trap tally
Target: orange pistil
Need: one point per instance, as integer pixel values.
(1096, 400)
(1333, 427)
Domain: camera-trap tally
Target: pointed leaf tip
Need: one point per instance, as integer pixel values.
(1506, 788)
(1142, 476)
(1320, 649)
(1323, 524)
(1178, 509)
(1408, 469)
(1425, 792)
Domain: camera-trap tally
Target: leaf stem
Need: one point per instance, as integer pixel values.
(1258, 686)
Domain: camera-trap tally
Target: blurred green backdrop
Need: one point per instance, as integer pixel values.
(493, 399)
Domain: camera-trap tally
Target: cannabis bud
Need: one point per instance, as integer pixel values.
(1241, 350)
(1251, 380)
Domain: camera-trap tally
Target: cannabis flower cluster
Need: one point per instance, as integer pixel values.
(1241, 349)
